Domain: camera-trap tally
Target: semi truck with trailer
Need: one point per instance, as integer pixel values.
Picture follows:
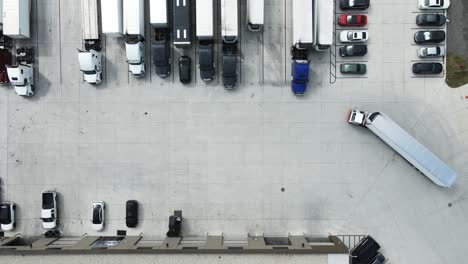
(404, 144)
(255, 15)
(112, 17)
(229, 34)
(303, 40)
(90, 57)
(182, 11)
(134, 29)
(16, 25)
(324, 14)
(204, 21)
(160, 47)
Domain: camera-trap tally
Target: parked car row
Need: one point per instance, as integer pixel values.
(430, 37)
(355, 38)
(49, 213)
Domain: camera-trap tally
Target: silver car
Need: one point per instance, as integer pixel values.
(431, 52)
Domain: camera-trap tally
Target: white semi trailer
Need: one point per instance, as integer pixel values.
(324, 14)
(255, 14)
(112, 17)
(406, 145)
(134, 28)
(16, 24)
(16, 18)
(303, 24)
(204, 17)
(90, 57)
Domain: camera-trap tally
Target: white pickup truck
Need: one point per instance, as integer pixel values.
(49, 210)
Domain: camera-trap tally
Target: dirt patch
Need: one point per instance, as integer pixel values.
(457, 47)
(457, 70)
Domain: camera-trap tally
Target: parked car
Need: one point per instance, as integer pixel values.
(427, 68)
(207, 67)
(426, 52)
(354, 36)
(353, 50)
(131, 213)
(430, 20)
(352, 20)
(434, 36)
(378, 259)
(364, 251)
(161, 53)
(7, 216)
(434, 4)
(98, 215)
(49, 212)
(354, 4)
(185, 69)
(353, 68)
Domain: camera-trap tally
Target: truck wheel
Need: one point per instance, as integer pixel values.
(14, 225)
(14, 207)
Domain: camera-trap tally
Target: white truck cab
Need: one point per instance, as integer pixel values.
(357, 117)
(135, 57)
(90, 65)
(49, 210)
(22, 78)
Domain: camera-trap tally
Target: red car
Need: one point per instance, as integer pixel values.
(352, 20)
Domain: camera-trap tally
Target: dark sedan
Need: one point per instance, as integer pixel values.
(185, 69)
(435, 36)
(431, 20)
(353, 50)
(427, 68)
(354, 4)
(131, 213)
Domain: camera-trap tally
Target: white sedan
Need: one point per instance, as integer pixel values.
(431, 52)
(354, 36)
(434, 4)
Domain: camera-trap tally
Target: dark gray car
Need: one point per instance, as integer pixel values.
(434, 36)
(353, 50)
(431, 20)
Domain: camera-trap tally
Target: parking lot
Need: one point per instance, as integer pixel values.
(257, 159)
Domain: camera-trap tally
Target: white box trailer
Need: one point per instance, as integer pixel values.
(1, 16)
(158, 13)
(406, 145)
(229, 20)
(204, 14)
(325, 15)
(112, 17)
(303, 30)
(89, 19)
(255, 14)
(134, 17)
(16, 18)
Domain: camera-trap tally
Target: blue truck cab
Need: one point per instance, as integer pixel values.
(300, 76)
(299, 70)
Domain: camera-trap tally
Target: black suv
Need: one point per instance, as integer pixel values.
(131, 213)
(431, 20)
(161, 53)
(427, 68)
(435, 36)
(185, 69)
(207, 69)
(354, 4)
(353, 50)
